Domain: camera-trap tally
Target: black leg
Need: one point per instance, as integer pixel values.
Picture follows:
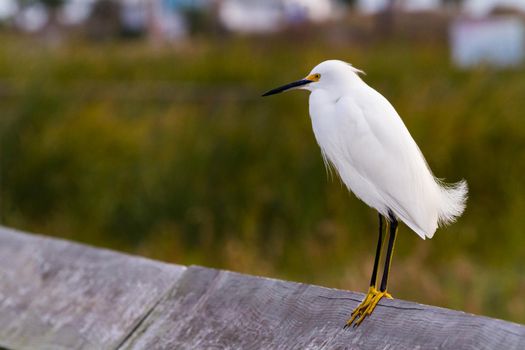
(373, 296)
(373, 280)
(390, 250)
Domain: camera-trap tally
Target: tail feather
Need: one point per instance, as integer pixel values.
(454, 198)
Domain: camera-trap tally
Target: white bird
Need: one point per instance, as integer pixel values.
(363, 137)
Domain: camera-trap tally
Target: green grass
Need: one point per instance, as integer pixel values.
(171, 153)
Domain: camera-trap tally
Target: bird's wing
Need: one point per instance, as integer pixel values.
(382, 151)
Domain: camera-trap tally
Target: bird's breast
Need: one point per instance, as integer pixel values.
(324, 121)
(334, 131)
(344, 139)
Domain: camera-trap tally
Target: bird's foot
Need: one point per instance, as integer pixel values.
(367, 306)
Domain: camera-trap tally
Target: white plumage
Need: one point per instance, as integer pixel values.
(364, 139)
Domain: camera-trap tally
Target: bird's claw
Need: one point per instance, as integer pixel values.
(367, 306)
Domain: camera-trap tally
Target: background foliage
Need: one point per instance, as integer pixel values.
(171, 153)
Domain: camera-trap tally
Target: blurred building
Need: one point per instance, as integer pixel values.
(482, 8)
(496, 41)
(252, 16)
(477, 8)
(170, 19)
(374, 6)
(173, 20)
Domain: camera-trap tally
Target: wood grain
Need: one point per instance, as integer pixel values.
(211, 309)
(60, 295)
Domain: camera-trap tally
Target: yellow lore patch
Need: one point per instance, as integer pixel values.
(314, 77)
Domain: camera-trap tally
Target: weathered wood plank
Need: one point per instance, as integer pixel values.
(59, 295)
(211, 309)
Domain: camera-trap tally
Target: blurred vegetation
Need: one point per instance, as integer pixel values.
(171, 153)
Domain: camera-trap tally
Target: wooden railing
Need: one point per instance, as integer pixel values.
(56, 294)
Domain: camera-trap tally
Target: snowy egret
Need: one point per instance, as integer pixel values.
(362, 136)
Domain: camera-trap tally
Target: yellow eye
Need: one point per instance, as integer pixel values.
(317, 76)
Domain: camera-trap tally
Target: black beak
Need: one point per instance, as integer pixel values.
(287, 87)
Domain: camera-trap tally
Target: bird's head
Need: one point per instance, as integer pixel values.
(326, 75)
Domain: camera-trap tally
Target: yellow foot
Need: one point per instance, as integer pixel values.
(367, 306)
